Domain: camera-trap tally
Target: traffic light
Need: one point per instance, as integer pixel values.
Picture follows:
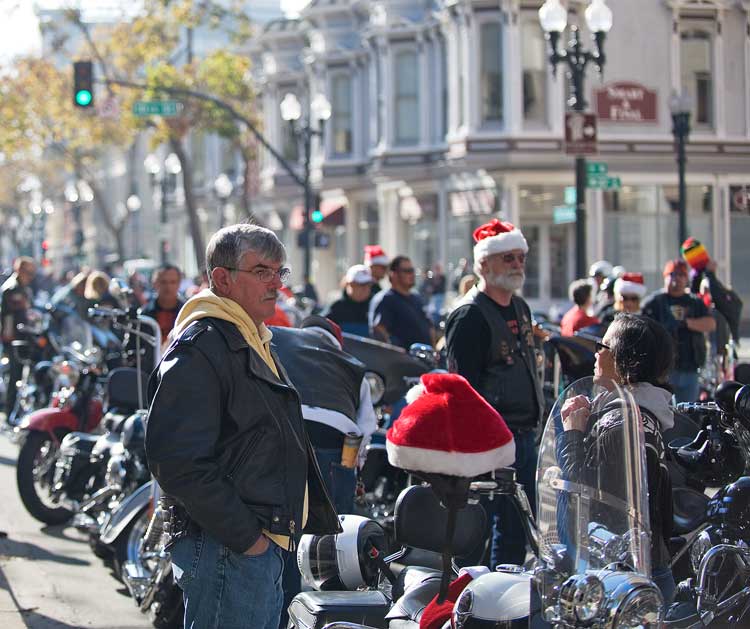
(316, 216)
(45, 248)
(83, 84)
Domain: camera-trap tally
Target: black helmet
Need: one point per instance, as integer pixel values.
(733, 504)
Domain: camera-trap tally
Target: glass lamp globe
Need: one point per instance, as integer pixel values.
(553, 17)
(598, 17)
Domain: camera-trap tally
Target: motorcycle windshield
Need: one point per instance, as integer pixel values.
(591, 481)
(75, 333)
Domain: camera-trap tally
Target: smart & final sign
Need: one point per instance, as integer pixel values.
(626, 102)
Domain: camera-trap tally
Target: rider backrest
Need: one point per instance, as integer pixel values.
(122, 388)
(420, 522)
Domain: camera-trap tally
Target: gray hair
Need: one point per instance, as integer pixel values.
(229, 244)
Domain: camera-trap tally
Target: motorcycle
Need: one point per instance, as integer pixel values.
(717, 590)
(62, 466)
(391, 372)
(592, 566)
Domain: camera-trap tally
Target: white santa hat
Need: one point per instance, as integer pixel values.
(449, 429)
(497, 237)
(630, 284)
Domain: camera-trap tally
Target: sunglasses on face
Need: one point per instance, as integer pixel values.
(630, 298)
(509, 257)
(409, 270)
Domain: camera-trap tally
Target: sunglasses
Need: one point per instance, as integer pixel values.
(630, 298)
(600, 347)
(509, 257)
(408, 270)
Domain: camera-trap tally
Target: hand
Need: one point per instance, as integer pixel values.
(575, 413)
(259, 547)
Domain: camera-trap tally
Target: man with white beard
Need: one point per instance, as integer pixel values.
(490, 341)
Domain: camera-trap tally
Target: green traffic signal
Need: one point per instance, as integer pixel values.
(83, 84)
(83, 98)
(316, 216)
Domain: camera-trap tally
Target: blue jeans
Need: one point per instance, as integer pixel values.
(508, 543)
(340, 481)
(223, 589)
(685, 385)
(664, 580)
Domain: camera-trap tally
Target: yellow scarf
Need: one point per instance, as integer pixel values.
(208, 304)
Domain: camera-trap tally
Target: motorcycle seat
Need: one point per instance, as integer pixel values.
(688, 511)
(411, 605)
(412, 576)
(114, 420)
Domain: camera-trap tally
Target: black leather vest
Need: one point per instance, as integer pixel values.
(509, 383)
(323, 375)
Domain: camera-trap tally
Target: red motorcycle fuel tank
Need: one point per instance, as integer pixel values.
(53, 418)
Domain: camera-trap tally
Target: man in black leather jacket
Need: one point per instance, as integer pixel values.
(226, 441)
(490, 342)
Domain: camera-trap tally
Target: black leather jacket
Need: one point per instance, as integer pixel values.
(225, 439)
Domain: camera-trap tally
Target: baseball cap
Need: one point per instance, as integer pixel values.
(675, 266)
(358, 274)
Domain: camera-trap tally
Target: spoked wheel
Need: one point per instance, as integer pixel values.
(35, 470)
(129, 545)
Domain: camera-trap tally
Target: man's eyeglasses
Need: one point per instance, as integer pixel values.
(601, 346)
(408, 270)
(631, 298)
(509, 257)
(265, 274)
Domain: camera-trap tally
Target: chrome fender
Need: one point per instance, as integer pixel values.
(128, 511)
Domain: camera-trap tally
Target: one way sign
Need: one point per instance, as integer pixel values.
(580, 133)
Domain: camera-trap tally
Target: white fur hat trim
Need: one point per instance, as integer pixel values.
(500, 243)
(623, 287)
(466, 464)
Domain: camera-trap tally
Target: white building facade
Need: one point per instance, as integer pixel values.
(447, 114)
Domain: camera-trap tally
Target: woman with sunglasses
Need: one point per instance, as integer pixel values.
(629, 290)
(636, 353)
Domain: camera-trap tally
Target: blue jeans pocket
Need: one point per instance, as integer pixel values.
(186, 555)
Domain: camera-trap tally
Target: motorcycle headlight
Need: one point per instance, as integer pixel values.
(700, 547)
(642, 609)
(377, 386)
(580, 598)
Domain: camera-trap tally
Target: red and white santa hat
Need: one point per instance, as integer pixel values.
(448, 428)
(630, 284)
(374, 254)
(497, 237)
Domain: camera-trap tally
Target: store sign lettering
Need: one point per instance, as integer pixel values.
(626, 102)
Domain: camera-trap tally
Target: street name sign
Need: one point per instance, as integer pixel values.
(580, 133)
(165, 108)
(563, 214)
(596, 168)
(603, 182)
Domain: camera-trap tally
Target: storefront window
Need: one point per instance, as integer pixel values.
(367, 229)
(467, 210)
(420, 215)
(642, 226)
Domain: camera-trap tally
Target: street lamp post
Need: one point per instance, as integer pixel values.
(291, 112)
(160, 175)
(223, 188)
(554, 19)
(681, 106)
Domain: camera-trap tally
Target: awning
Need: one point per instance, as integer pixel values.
(330, 208)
